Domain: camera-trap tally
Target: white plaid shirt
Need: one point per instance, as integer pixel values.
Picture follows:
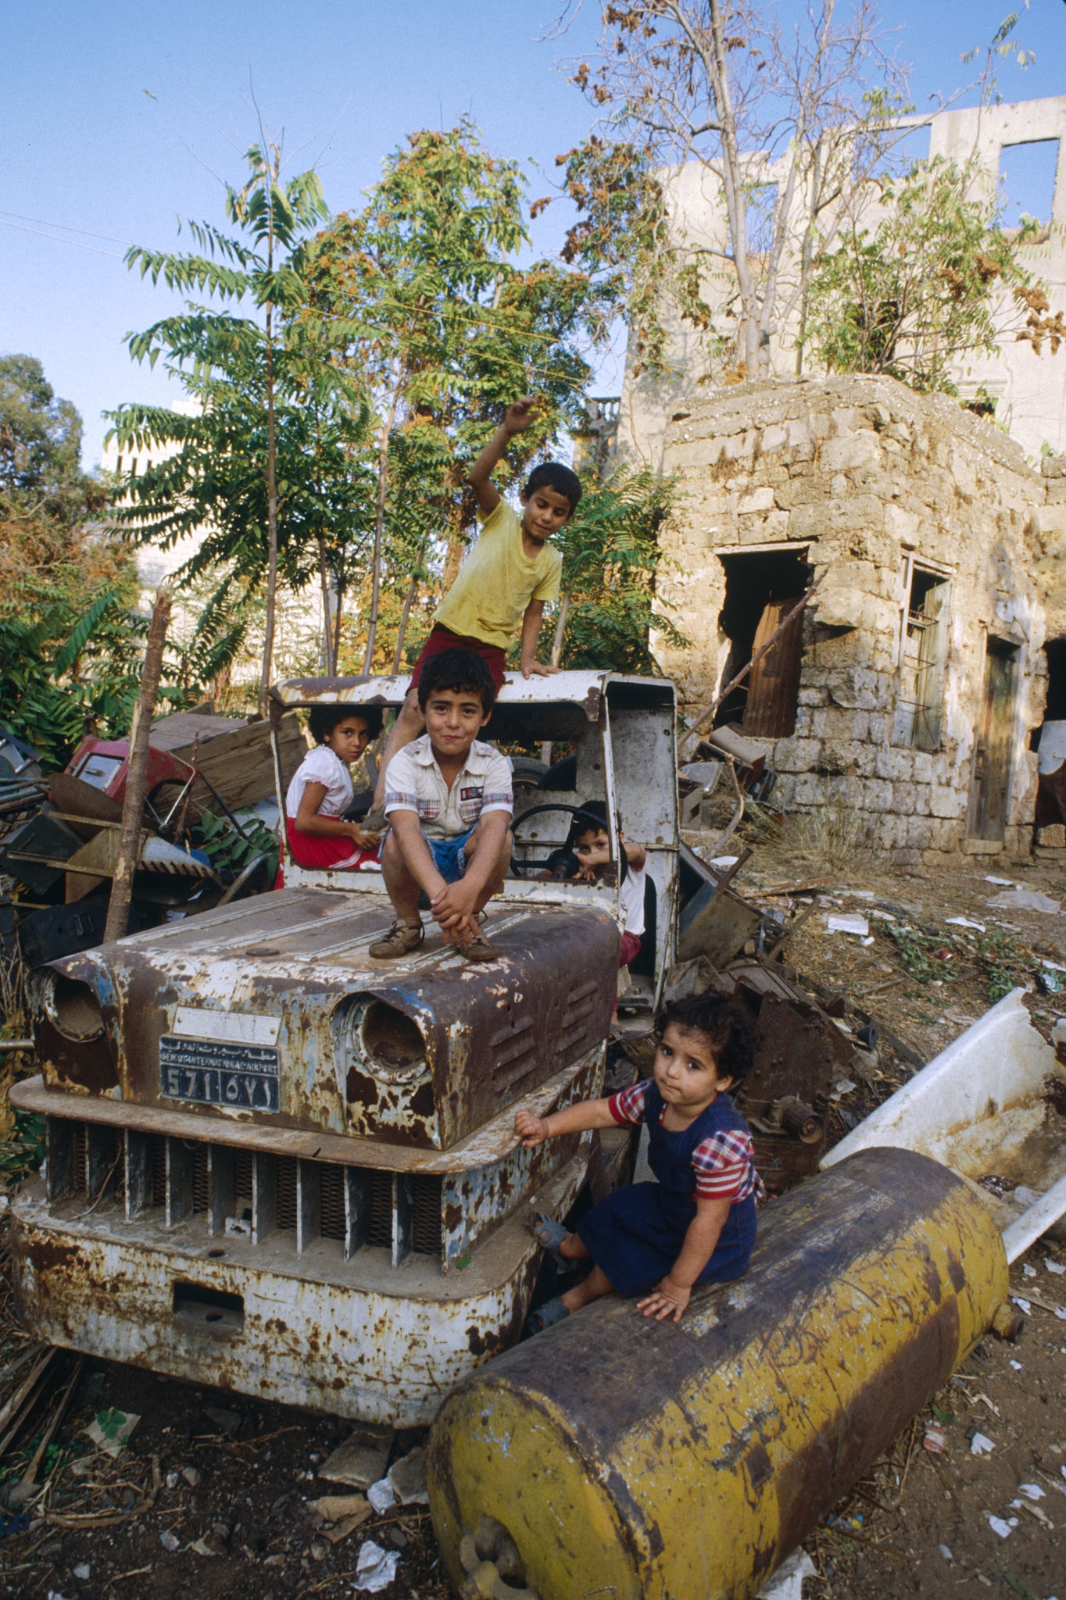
(414, 782)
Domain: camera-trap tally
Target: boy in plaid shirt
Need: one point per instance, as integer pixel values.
(448, 799)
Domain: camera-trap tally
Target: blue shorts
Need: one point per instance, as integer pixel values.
(449, 855)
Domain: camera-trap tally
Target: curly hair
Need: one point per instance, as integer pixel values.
(716, 1018)
(323, 719)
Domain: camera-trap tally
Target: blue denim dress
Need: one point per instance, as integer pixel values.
(635, 1235)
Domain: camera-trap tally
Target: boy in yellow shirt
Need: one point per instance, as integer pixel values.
(511, 573)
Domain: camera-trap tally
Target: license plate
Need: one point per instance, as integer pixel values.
(210, 1072)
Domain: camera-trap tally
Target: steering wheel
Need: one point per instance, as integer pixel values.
(528, 865)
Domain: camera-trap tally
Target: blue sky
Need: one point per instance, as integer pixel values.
(85, 148)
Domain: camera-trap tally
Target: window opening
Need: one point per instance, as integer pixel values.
(760, 590)
(919, 708)
(1027, 180)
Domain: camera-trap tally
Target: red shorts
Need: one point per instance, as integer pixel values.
(442, 638)
(630, 948)
(315, 850)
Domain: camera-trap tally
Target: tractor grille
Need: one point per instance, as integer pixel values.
(248, 1193)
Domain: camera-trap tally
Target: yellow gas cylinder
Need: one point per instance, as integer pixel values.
(621, 1457)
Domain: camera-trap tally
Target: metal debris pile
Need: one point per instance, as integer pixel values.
(207, 829)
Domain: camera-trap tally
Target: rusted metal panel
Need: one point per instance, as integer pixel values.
(285, 1017)
(476, 1200)
(994, 743)
(357, 1338)
(489, 1143)
(773, 684)
(585, 689)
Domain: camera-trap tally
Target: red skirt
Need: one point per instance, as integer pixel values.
(442, 638)
(314, 850)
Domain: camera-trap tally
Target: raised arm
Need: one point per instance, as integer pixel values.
(516, 420)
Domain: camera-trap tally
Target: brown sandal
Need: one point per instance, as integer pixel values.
(401, 939)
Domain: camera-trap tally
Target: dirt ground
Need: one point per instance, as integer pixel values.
(228, 1495)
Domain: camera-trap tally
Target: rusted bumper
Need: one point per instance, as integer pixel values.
(358, 1338)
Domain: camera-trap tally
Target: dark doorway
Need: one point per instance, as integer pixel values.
(995, 738)
(1055, 710)
(761, 588)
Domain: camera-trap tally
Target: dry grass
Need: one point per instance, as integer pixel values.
(838, 838)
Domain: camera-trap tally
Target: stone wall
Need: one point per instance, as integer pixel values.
(866, 475)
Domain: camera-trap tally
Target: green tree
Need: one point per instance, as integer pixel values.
(782, 125)
(611, 556)
(431, 313)
(266, 462)
(69, 638)
(936, 279)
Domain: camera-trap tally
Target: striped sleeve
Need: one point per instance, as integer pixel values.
(724, 1166)
(627, 1106)
(499, 795)
(401, 784)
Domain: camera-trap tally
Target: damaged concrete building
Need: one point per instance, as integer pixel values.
(913, 688)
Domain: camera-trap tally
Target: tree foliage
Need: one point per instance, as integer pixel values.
(937, 278)
(69, 639)
(422, 297)
(783, 126)
(264, 460)
(611, 556)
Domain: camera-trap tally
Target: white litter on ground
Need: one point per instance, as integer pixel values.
(965, 922)
(847, 922)
(376, 1568)
(1025, 900)
(981, 1445)
(998, 1525)
(381, 1495)
(787, 1581)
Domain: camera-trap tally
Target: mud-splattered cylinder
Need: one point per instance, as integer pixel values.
(631, 1458)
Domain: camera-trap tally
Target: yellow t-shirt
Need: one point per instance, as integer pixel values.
(497, 581)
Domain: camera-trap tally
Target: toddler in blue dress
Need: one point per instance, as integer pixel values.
(697, 1223)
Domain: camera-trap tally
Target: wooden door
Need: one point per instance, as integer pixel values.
(773, 686)
(994, 746)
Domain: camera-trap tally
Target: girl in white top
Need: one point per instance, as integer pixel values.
(591, 844)
(321, 791)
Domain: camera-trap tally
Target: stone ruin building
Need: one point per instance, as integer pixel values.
(915, 687)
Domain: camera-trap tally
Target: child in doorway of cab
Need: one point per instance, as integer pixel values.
(321, 791)
(697, 1223)
(510, 575)
(590, 842)
(448, 800)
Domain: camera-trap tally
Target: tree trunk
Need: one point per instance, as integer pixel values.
(379, 530)
(129, 845)
(329, 656)
(272, 524)
(717, 68)
(405, 615)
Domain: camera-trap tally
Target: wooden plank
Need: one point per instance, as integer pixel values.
(773, 684)
(239, 763)
(177, 732)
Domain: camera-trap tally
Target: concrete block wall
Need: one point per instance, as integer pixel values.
(864, 473)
